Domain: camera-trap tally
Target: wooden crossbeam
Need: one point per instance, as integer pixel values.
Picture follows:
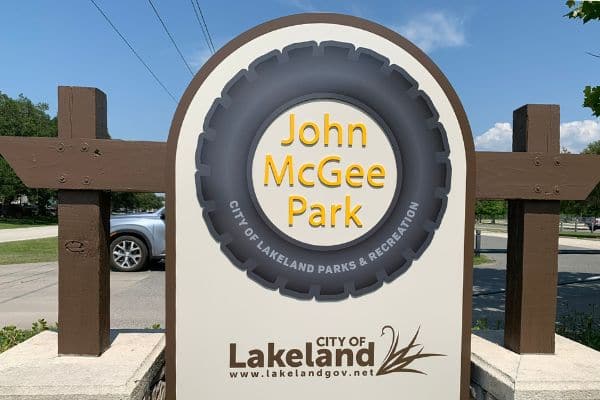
(138, 166)
(90, 164)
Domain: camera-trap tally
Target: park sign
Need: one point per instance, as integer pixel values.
(320, 218)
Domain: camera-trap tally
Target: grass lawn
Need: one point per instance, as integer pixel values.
(478, 260)
(583, 234)
(29, 251)
(10, 223)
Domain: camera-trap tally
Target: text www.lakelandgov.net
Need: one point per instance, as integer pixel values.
(298, 373)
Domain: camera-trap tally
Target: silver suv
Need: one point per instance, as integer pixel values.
(135, 239)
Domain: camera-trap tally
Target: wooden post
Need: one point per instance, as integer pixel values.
(532, 249)
(83, 230)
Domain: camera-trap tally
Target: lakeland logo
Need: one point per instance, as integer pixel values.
(327, 357)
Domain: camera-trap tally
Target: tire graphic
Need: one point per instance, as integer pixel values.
(308, 71)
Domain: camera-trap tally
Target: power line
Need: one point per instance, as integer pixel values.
(209, 41)
(170, 37)
(201, 27)
(133, 51)
(206, 27)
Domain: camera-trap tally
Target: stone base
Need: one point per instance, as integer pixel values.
(572, 373)
(33, 370)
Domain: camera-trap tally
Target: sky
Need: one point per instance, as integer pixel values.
(498, 55)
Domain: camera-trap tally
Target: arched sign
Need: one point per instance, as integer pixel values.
(320, 219)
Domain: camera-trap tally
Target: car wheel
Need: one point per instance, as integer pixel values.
(128, 254)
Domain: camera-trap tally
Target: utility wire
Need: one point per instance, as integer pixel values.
(201, 27)
(133, 51)
(170, 37)
(204, 27)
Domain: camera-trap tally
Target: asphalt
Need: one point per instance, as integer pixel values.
(572, 298)
(29, 291)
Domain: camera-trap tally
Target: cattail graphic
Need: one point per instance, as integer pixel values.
(399, 360)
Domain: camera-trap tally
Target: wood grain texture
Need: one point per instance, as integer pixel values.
(83, 231)
(90, 164)
(532, 247)
(536, 176)
(137, 166)
(84, 273)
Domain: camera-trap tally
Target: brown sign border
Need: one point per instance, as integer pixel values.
(184, 103)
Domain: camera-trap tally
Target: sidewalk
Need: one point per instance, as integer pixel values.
(591, 244)
(35, 232)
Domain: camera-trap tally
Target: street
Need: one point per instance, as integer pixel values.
(29, 291)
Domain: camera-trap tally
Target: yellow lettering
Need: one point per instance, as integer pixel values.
(327, 130)
(315, 129)
(318, 212)
(288, 141)
(335, 172)
(334, 209)
(287, 166)
(351, 214)
(362, 128)
(372, 175)
(350, 174)
(295, 211)
(301, 177)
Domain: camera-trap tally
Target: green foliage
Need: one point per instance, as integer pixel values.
(592, 203)
(20, 117)
(25, 222)
(482, 324)
(584, 10)
(587, 11)
(11, 336)
(29, 251)
(136, 201)
(592, 99)
(581, 327)
(481, 259)
(490, 208)
(591, 206)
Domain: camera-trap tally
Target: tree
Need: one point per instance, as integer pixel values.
(490, 208)
(592, 203)
(135, 201)
(587, 11)
(20, 117)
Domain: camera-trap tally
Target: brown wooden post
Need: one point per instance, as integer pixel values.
(532, 262)
(84, 218)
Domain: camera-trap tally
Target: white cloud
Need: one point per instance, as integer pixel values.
(433, 31)
(497, 138)
(574, 136)
(198, 58)
(302, 5)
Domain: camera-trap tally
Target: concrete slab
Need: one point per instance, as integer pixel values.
(572, 373)
(33, 370)
(34, 232)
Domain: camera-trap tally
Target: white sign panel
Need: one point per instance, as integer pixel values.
(318, 219)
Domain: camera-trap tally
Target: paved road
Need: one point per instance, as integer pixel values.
(29, 291)
(571, 267)
(35, 232)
